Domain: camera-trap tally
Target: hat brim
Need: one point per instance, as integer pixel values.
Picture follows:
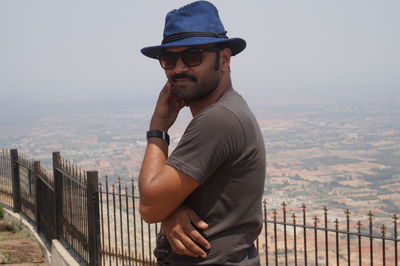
(236, 44)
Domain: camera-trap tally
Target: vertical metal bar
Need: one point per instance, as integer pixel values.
(265, 232)
(108, 222)
(275, 239)
(295, 238)
(149, 238)
(359, 243)
(92, 183)
(134, 221)
(326, 235)
(316, 239)
(304, 233)
(284, 231)
(77, 215)
(115, 225)
(16, 189)
(371, 249)
(102, 223)
(120, 215)
(348, 235)
(337, 241)
(70, 220)
(36, 167)
(127, 224)
(58, 194)
(79, 210)
(142, 237)
(395, 218)
(155, 235)
(383, 227)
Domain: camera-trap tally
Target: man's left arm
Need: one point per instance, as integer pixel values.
(162, 187)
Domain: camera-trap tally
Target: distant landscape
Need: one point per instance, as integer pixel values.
(341, 151)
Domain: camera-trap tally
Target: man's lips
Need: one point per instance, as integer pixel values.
(183, 80)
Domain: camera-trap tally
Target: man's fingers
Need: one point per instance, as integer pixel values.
(188, 245)
(167, 89)
(195, 219)
(180, 249)
(196, 236)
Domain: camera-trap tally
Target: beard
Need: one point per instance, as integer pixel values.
(194, 89)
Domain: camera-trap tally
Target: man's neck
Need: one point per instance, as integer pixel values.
(198, 106)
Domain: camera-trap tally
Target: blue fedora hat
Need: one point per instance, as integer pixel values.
(197, 23)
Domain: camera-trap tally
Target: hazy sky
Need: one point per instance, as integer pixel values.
(76, 49)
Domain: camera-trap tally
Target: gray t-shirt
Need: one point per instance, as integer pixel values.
(223, 149)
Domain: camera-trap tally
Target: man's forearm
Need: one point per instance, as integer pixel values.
(153, 161)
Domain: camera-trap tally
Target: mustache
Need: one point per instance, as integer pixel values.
(183, 75)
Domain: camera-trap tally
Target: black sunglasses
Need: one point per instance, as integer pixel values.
(190, 57)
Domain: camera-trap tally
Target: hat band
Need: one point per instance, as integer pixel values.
(184, 35)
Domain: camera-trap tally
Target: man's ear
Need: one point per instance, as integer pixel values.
(225, 59)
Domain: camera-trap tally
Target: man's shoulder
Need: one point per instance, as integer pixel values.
(217, 117)
(229, 104)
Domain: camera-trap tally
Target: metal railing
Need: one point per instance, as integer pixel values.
(77, 211)
(45, 202)
(101, 223)
(339, 241)
(24, 184)
(126, 239)
(6, 187)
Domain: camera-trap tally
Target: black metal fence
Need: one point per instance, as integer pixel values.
(299, 239)
(101, 223)
(6, 187)
(77, 212)
(126, 239)
(62, 205)
(45, 202)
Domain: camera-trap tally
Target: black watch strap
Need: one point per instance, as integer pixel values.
(158, 134)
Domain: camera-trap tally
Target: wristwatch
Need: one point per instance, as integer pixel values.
(158, 134)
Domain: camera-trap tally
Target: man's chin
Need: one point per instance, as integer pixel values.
(180, 90)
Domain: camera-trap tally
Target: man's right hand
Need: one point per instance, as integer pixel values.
(167, 109)
(182, 235)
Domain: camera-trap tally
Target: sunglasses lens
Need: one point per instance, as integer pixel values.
(168, 61)
(192, 58)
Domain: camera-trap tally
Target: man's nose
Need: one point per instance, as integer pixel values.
(180, 66)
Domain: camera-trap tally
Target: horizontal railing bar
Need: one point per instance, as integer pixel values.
(117, 194)
(51, 187)
(333, 230)
(71, 177)
(25, 165)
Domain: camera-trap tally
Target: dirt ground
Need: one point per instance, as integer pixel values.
(18, 248)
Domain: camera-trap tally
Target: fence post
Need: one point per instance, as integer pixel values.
(16, 189)
(93, 218)
(58, 195)
(36, 169)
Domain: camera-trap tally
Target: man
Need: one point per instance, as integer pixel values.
(208, 192)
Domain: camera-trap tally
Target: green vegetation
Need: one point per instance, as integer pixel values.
(297, 193)
(4, 257)
(364, 198)
(337, 205)
(330, 160)
(1, 212)
(390, 207)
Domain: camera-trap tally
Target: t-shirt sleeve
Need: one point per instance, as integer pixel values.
(213, 138)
